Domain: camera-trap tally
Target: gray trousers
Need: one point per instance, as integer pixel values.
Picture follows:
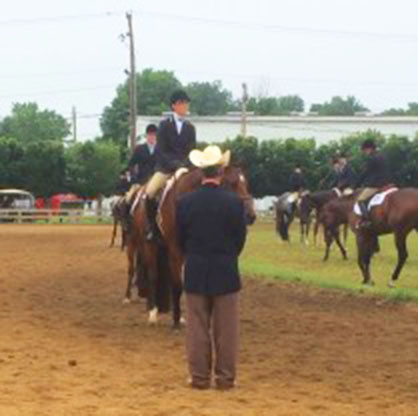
(212, 324)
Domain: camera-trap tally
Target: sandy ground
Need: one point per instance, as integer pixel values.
(69, 347)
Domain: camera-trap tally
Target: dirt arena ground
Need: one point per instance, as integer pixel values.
(69, 347)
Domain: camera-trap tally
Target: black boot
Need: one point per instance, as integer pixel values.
(365, 218)
(152, 231)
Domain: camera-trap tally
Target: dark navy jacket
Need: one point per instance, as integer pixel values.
(345, 178)
(144, 162)
(172, 148)
(296, 182)
(375, 173)
(211, 231)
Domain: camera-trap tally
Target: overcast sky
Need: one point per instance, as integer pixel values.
(316, 49)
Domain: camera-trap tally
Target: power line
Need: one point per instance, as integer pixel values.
(57, 92)
(49, 74)
(281, 28)
(54, 19)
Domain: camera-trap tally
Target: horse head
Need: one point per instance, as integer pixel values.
(234, 180)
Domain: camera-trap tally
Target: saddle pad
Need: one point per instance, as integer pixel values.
(376, 200)
(140, 194)
(170, 183)
(337, 191)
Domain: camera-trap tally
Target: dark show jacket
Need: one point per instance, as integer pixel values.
(375, 173)
(145, 162)
(172, 148)
(211, 231)
(345, 178)
(296, 182)
(122, 186)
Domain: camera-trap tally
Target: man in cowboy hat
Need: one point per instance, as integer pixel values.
(375, 175)
(176, 137)
(211, 233)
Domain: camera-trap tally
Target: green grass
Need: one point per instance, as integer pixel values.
(267, 257)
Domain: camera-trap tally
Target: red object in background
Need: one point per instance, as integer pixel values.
(63, 201)
(40, 203)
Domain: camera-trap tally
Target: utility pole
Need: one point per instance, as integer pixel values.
(244, 111)
(132, 84)
(74, 122)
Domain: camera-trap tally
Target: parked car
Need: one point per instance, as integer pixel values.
(15, 199)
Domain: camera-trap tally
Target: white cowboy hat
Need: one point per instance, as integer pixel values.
(211, 156)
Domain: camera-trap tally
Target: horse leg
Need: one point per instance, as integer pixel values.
(131, 272)
(316, 228)
(345, 231)
(152, 274)
(328, 241)
(176, 271)
(363, 258)
(400, 241)
(114, 232)
(336, 234)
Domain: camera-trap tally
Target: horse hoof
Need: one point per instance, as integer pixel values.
(368, 284)
(391, 284)
(126, 301)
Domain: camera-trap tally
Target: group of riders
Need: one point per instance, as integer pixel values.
(166, 150)
(168, 146)
(373, 177)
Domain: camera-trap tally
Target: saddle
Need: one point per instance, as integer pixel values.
(376, 199)
(139, 192)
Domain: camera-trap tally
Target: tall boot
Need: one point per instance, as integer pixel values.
(152, 232)
(365, 217)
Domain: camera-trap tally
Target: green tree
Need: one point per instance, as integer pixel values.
(37, 166)
(276, 106)
(11, 159)
(28, 123)
(92, 168)
(290, 103)
(208, 98)
(154, 89)
(339, 106)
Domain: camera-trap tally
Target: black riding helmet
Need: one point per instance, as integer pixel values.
(179, 95)
(368, 144)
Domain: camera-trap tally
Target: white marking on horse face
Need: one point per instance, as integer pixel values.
(241, 178)
(153, 316)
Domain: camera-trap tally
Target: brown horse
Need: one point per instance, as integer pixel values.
(314, 201)
(398, 214)
(149, 253)
(118, 218)
(333, 214)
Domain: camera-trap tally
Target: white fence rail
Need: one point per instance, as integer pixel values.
(52, 215)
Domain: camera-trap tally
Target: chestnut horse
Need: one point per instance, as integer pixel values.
(148, 253)
(398, 215)
(315, 201)
(333, 214)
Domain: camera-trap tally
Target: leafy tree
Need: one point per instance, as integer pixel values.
(28, 123)
(339, 106)
(92, 168)
(154, 89)
(11, 159)
(36, 166)
(290, 103)
(275, 106)
(208, 98)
